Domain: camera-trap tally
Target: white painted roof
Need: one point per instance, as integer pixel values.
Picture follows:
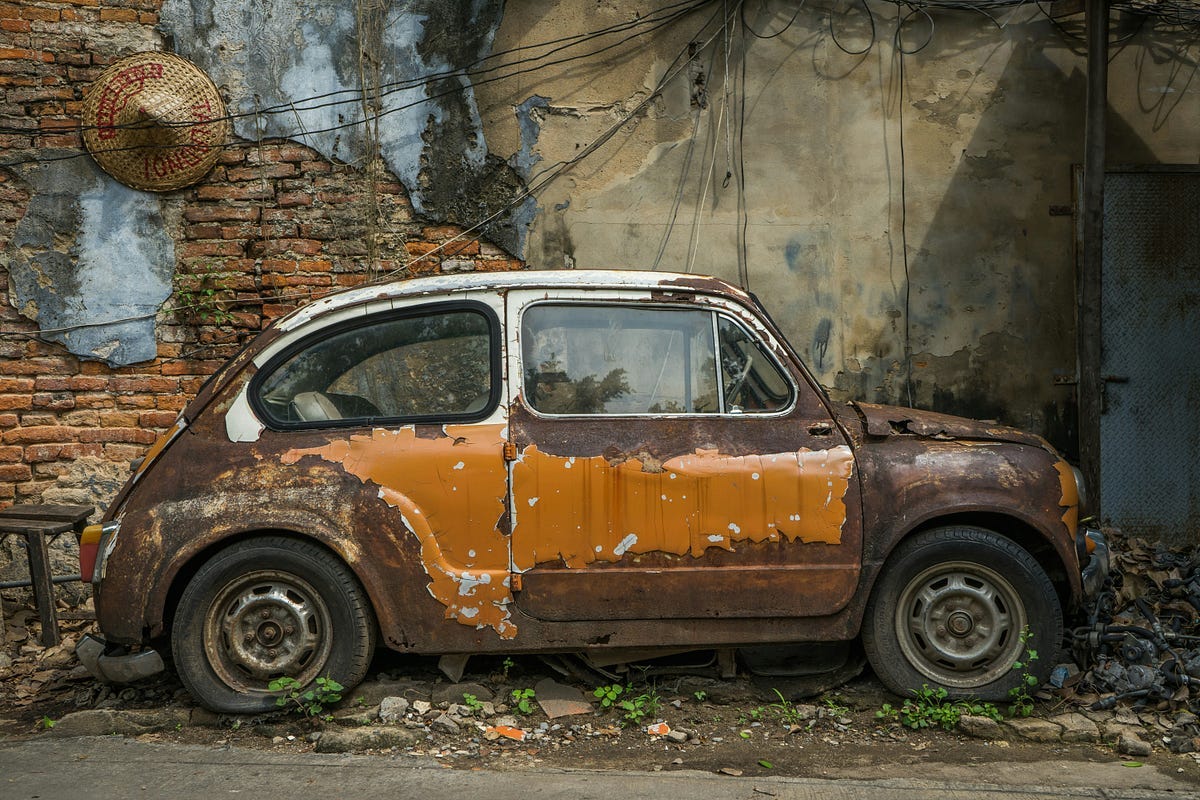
(483, 281)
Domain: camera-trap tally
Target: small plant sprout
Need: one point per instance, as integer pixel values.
(608, 695)
(932, 708)
(524, 699)
(1020, 696)
(638, 708)
(472, 702)
(309, 702)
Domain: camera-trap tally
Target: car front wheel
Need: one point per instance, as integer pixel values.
(950, 609)
(264, 609)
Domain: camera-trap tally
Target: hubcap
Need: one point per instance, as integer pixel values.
(266, 625)
(959, 624)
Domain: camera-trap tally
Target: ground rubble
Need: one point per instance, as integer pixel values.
(731, 726)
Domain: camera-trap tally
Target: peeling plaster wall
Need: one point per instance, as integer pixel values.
(90, 249)
(992, 122)
(292, 65)
(203, 269)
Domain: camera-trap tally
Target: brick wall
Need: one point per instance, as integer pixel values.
(273, 226)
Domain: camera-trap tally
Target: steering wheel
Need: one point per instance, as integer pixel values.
(737, 382)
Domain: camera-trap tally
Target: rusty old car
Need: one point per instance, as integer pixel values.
(593, 462)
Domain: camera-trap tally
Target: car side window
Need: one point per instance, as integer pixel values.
(750, 379)
(435, 365)
(592, 359)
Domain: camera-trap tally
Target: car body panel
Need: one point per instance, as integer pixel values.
(521, 531)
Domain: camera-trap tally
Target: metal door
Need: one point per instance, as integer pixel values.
(1150, 423)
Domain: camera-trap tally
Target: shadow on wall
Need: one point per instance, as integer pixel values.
(1013, 302)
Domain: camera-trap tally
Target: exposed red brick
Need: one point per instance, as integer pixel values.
(114, 451)
(118, 419)
(225, 192)
(156, 419)
(54, 401)
(38, 12)
(40, 433)
(118, 15)
(220, 213)
(50, 452)
(15, 402)
(134, 435)
(15, 472)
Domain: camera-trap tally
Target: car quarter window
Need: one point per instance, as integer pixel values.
(750, 378)
(611, 359)
(430, 365)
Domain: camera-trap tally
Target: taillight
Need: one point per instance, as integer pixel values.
(89, 547)
(95, 544)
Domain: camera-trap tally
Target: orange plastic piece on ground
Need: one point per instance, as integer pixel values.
(508, 732)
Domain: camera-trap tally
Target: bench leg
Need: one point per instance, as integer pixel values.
(43, 588)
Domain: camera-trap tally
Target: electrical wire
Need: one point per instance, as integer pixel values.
(551, 174)
(743, 213)
(247, 301)
(677, 202)
(667, 12)
(746, 25)
(843, 48)
(908, 360)
(658, 23)
(674, 68)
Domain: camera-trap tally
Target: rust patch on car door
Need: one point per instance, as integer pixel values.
(582, 510)
(451, 492)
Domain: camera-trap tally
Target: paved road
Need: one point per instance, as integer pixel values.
(113, 767)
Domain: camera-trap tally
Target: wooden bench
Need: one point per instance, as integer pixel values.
(39, 524)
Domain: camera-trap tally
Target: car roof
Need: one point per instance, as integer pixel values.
(499, 281)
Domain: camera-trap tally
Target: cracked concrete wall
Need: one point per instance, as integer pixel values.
(89, 250)
(992, 121)
(292, 69)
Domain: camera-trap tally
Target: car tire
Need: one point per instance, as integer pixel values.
(949, 609)
(268, 608)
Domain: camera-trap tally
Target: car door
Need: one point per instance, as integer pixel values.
(669, 461)
(406, 401)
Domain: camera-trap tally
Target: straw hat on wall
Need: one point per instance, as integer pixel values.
(154, 121)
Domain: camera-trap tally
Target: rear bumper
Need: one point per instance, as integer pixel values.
(117, 666)
(1097, 563)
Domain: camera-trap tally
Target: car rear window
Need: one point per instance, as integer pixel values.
(423, 366)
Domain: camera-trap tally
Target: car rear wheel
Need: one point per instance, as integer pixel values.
(264, 609)
(949, 611)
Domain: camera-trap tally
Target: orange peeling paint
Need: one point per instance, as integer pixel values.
(450, 491)
(1070, 496)
(582, 510)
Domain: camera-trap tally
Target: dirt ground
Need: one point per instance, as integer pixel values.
(738, 726)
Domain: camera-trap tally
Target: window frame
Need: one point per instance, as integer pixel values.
(715, 313)
(304, 342)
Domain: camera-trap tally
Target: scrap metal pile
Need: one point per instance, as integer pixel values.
(1141, 646)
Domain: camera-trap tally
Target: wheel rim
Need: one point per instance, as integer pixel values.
(266, 625)
(959, 624)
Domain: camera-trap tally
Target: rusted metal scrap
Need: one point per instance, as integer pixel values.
(1141, 647)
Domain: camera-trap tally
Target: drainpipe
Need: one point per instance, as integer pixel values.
(1089, 328)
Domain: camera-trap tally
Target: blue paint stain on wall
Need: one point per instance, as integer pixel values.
(530, 127)
(90, 250)
(292, 69)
